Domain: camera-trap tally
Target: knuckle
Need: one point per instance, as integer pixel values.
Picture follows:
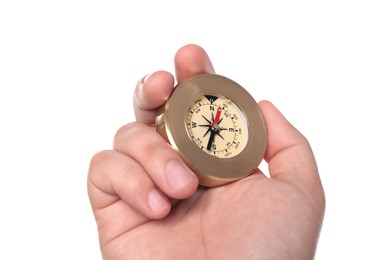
(128, 131)
(156, 149)
(99, 158)
(137, 181)
(95, 165)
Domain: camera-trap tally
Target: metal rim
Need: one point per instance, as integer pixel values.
(213, 171)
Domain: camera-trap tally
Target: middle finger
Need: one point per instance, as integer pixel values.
(162, 163)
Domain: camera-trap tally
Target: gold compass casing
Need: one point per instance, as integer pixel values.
(211, 170)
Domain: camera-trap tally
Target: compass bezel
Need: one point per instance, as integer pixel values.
(211, 170)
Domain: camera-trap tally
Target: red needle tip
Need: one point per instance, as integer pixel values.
(217, 116)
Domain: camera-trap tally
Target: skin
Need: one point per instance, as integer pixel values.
(148, 205)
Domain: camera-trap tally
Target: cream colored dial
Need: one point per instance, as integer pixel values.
(217, 126)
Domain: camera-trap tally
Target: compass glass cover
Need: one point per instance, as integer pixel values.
(217, 126)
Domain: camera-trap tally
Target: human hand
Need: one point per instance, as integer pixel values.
(147, 203)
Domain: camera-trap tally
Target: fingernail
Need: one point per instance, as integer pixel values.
(177, 174)
(156, 200)
(145, 78)
(140, 85)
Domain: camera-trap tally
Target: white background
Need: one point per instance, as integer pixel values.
(67, 73)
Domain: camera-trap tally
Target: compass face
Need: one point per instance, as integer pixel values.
(217, 126)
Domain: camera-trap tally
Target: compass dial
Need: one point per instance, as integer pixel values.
(217, 126)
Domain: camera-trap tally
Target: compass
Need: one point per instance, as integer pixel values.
(216, 126)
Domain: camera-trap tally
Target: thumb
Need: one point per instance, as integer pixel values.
(289, 154)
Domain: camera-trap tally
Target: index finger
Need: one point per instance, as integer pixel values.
(153, 90)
